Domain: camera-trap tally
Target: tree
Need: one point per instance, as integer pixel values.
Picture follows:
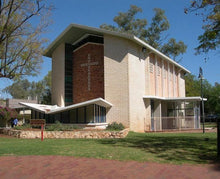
(19, 89)
(212, 93)
(6, 114)
(192, 85)
(47, 83)
(153, 35)
(210, 11)
(22, 89)
(22, 23)
(214, 99)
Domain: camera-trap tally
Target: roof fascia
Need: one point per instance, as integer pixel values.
(123, 35)
(193, 98)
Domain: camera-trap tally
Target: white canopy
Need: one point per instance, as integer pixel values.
(194, 98)
(51, 109)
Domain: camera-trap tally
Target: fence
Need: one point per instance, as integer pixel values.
(167, 123)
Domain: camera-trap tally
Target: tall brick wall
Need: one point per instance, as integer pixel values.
(82, 91)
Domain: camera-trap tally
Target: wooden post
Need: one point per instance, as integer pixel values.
(39, 122)
(42, 132)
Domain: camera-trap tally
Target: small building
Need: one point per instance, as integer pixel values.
(100, 77)
(14, 104)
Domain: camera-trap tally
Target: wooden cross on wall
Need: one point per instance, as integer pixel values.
(89, 64)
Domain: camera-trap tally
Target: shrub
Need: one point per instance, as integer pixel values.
(6, 114)
(61, 127)
(115, 126)
(24, 126)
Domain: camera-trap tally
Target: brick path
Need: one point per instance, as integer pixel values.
(71, 167)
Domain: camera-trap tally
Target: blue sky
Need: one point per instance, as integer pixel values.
(96, 12)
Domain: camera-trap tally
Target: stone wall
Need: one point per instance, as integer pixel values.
(91, 134)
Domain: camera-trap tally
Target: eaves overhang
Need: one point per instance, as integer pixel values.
(193, 98)
(53, 109)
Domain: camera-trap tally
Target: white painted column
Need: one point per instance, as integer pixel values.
(162, 78)
(178, 83)
(168, 78)
(147, 76)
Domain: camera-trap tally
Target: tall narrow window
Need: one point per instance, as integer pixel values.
(151, 67)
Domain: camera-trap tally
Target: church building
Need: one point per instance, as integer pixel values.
(100, 77)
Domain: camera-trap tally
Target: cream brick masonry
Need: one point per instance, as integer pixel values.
(58, 66)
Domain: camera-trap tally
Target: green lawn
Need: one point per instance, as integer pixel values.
(194, 148)
(210, 124)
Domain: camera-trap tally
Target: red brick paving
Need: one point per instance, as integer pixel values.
(70, 167)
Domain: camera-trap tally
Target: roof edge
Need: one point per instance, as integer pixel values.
(51, 109)
(47, 52)
(192, 98)
(159, 53)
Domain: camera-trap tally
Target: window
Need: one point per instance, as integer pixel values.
(151, 65)
(87, 114)
(90, 114)
(164, 73)
(81, 115)
(73, 116)
(171, 75)
(151, 68)
(158, 70)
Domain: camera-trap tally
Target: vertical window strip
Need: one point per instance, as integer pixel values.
(95, 114)
(85, 111)
(32, 113)
(77, 116)
(158, 69)
(93, 120)
(104, 114)
(101, 113)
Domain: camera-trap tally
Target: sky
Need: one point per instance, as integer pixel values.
(96, 12)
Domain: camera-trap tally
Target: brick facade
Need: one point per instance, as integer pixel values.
(88, 83)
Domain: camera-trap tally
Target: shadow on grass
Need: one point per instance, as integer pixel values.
(171, 148)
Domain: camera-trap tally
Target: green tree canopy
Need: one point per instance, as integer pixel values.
(153, 35)
(210, 11)
(212, 93)
(22, 23)
(22, 89)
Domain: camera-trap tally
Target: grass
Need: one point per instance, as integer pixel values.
(193, 148)
(210, 124)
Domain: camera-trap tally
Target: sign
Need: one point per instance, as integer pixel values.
(39, 122)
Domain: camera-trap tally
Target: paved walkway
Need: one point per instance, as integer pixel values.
(53, 167)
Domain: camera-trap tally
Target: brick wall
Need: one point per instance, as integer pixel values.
(82, 91)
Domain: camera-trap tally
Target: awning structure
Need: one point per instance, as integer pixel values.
(52, 109)
(194, 98)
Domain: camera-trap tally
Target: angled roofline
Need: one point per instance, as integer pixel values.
(52, 109)
(192, 98)
(133, 38)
